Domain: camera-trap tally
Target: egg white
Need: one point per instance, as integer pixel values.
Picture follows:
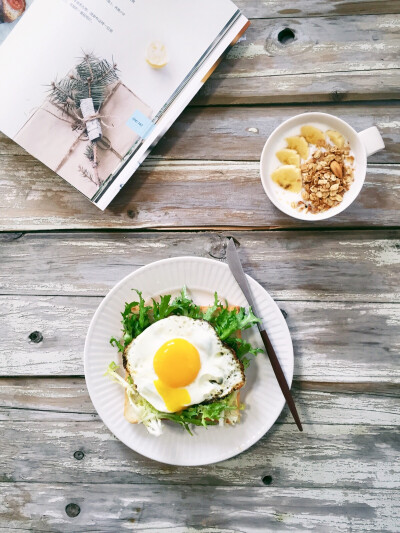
(220, 371)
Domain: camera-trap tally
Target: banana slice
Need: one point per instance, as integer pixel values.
(336, 137)
(312, 135)
(288, 177)
(156, 55)
(288, 157)
(299, 144)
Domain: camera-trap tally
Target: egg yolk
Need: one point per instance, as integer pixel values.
(176, 363)
(174, 399)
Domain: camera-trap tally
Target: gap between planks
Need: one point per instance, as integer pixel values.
(298, 386)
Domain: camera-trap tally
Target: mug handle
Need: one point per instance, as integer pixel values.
(372, 140)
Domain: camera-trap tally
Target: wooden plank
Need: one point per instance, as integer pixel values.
(333, 341)
(55, 399)
(173, 194)
(344, 44)
(329, 59)
(66, 399)
(323, 456)
(239, 133)
(313, 8)
(57, 418)
(358, 85)
(306, 265)
(110, 508)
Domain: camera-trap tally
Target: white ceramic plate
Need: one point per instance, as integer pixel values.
(261, 394)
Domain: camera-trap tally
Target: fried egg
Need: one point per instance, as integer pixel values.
(180, 361)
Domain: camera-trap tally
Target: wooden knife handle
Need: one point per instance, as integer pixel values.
(280, 377)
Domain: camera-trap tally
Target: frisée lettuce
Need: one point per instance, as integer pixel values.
(223, 410)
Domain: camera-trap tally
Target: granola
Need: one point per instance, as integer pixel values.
(323, 177)
(326, 176)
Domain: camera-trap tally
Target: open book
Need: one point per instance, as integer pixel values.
(89, 86)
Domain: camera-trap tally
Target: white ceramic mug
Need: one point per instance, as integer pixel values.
(362, 145)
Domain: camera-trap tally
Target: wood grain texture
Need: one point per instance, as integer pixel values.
(348, 440)
(173, 194)
(305, 265)
(239, 133)
(323, 456)
(312, 8)
(320, 45)
(360, 85)
(190, 509)
(66, 399)
(338, 290)
(333, 341)
(329, 59)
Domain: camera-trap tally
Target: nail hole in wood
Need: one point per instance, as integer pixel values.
(337, 96)
(286, 36)
(237, 243)
(217, 247)
(267, 480)
(36, 337)
(79, 455)
(72, 510)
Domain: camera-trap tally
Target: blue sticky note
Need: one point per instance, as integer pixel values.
(140, 124)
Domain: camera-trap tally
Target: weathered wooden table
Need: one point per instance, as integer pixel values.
(336, 282)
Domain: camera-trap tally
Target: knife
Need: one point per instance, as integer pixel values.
(237, 270)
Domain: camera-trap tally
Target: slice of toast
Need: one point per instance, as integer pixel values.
(129, 411)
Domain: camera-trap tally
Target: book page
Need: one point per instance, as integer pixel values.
(146, 49)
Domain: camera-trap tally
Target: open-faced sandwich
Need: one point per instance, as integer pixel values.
(183, 362)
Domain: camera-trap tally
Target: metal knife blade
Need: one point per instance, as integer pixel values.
(237, 270)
